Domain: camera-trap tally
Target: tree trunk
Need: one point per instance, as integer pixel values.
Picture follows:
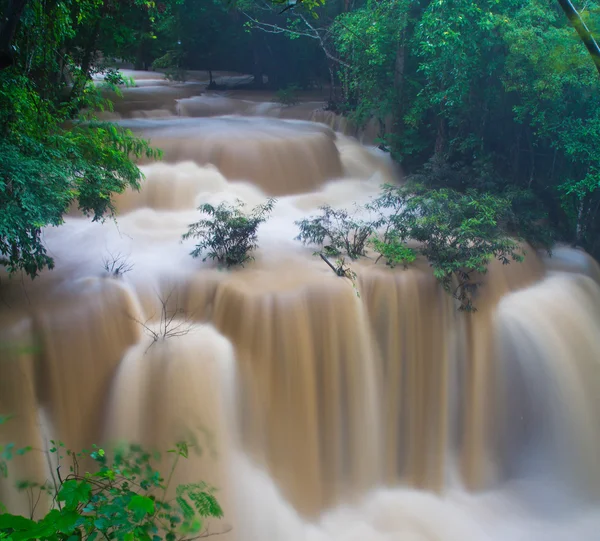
(86, 64)
(579, 229)
(399, 77)
(257, 67)
(8, 29)
(142, 51)
(90, 51)
(441, 138)
(583, 31)
(332, 92)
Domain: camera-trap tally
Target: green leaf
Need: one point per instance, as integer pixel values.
(101, 523)
(206, 504)
(141, 505)
(15, 522)
(74, 492)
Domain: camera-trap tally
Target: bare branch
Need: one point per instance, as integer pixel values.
(170, 325)
(116, 265)
(322, 42)
(275, 29)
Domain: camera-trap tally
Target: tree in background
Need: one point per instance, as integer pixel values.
(302, 33)
(54, 154)
(494, 95)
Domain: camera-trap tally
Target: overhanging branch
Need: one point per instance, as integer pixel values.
(583, 31)
(275, 29)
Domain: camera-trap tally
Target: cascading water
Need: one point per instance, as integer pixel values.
(326, 414)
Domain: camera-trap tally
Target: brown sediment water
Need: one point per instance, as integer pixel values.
(325, 409)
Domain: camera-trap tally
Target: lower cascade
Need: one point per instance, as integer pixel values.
(323, 410)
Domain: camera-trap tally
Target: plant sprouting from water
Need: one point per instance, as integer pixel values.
(458, 233)
(337, 231)
(393, 251)
(229, 234)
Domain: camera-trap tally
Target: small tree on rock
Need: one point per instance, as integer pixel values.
(337, 231)
(229, 234)
(458, 233)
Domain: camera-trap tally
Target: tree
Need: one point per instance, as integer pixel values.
(583, 31)
(8, 28)
(458, 234)
(372, 42)
(500, 95)
(229, 234)
(44, 167)
(308, 22)
(337, 231)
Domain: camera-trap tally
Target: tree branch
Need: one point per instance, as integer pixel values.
(275, 29)
(583, 31)
(322, 42)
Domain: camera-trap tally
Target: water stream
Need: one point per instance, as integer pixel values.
(325, 415)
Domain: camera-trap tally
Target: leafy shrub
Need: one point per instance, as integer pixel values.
(458, 233)
(228, 234)
(527, 216)
(125, 499)
(288, 96)
(341, 232)
(394, 251)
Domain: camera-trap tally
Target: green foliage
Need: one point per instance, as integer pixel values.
(504, 92)
(458, 234)
(123, 499)
(171, 62)
(288, 96)
(550, 70)
(394, 251)
(337, 231)
(527, 217)
(53, 153)
(7, 452)
(228, 234)
(45, 168)
(368, 39)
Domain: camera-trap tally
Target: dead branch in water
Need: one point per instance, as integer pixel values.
(117, 265)
(170, 325)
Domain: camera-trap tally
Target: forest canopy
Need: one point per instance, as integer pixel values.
(495, 97)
